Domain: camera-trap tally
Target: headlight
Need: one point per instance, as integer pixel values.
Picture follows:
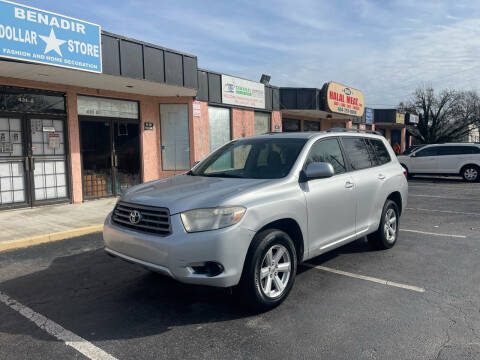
(212, 218)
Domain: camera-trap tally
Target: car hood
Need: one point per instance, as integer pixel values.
(185, 192)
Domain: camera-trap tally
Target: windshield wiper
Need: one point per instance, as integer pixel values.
(225, 175)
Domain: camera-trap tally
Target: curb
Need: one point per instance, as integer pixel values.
(46, 238)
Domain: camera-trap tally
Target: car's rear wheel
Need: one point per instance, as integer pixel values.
(471, 173)
(386, 235)
(269, 270)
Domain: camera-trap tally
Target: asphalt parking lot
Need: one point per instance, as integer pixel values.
(419, 300)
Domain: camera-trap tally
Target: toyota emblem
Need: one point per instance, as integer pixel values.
(135, 217)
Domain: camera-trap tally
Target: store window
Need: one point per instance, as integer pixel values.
(290, 125)
(311, 125)
(262, 123)
(218, 126)
(341, 125)
(175, 136)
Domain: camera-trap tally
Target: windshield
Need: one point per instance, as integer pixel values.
(255, 158)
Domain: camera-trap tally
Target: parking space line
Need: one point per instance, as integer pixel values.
(367, 278)
(445, 211)
(81, 345)
(434, 234)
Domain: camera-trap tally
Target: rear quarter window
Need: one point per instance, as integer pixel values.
(380, 154)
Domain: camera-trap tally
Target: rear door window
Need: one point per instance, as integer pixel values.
(456, 150)
(357, 152)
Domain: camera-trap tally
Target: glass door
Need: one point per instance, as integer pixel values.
(13, 177)
(96, 151)
(126, 154)
(47, 160)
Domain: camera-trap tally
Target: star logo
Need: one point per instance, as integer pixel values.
(52, 43)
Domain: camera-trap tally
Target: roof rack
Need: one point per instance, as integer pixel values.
(354, 130)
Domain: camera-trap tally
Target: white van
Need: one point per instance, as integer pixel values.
(445, 159)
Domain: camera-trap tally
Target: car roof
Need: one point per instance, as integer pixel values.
(315, 134)
(455, 144)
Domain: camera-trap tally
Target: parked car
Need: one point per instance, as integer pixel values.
(412, 149)
(445, 159)
(255, 208)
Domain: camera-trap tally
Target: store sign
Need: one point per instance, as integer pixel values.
(95, 106)
(342, 99)
(35, 35)
(236, 91)
(413, 119)
(368, 116)
(400, 118)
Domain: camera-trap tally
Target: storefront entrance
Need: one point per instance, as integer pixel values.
(33, 168)
(110, 150)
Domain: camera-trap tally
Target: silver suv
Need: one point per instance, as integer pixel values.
(254, 209)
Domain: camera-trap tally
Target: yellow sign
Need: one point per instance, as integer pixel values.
(400, 118)
(345, 100)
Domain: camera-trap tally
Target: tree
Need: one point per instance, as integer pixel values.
(444, 117)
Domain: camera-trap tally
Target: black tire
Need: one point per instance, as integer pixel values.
(468, 171)
(250, 288)
(379, 238)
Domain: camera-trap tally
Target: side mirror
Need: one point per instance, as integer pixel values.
(412, 155)
(317, 170)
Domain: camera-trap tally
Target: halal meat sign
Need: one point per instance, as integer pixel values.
(39, 36)
(345, 100)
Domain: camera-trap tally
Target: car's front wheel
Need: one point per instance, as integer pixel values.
(471, 173)
(386, 235)
(269, 270)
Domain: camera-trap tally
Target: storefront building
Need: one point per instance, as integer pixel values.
(228, 108)
(312, 109)
(391, 124)
(80, 110)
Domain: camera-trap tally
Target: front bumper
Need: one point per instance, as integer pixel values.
(174, 255)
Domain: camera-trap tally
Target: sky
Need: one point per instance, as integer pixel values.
(384, 48)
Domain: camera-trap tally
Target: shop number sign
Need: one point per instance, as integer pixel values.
(35, 35)
(345, 100)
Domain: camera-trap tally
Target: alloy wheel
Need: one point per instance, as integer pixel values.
(470, 174)
(275, 271)
(390, 225)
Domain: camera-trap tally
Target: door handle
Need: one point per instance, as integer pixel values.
(115, 160)
(32, 164)
(349, 184)
(27, 164)
(381, 177)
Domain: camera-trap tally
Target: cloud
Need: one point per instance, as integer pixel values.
(385, 48)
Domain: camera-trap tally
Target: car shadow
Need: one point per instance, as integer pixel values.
(437, 179)
(119, 300)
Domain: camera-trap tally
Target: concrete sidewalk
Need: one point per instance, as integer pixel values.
(52, 222)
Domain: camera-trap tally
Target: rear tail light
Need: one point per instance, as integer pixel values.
(405, 173)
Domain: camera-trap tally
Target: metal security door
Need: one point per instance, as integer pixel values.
(46, 160)
(14, 189)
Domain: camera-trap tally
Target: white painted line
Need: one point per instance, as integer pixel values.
(430, 196)
(445, 211)
(367, 278)
(434, 234)
(57, 331)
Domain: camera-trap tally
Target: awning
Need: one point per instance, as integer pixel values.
(315, 114)
(63, 76)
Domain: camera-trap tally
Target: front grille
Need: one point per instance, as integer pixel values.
(153, 220)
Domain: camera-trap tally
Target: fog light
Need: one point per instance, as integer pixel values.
(209, 268)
